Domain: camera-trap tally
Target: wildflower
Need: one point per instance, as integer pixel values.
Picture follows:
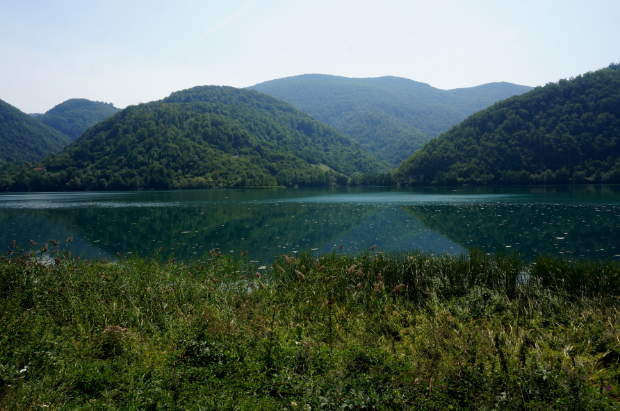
(373, 247)
(118, 254)
(244, 253)
(69, 240)
(32, 243)
(359, 273)
(351, 269)
(375, 259)
(213, 279)
(287, 260)
(300, 275)
(57, 260)
(44, 249)
(399, 288)
(13, 244)
(258, 275)
(359, 285)
(54, 242)
(340, 248)
(242, 277)
(280, 269)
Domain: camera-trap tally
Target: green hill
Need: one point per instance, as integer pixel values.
(23, 138)
(561, 133)
(412, 111)
(75, 116)
(204, 137)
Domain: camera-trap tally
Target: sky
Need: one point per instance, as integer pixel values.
(128, 52)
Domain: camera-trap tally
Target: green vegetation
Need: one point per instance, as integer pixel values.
(389, 116)
(22, 138)
(389, 139)
(376, 331)
(204, 137)
(76, 115)
(565, 132)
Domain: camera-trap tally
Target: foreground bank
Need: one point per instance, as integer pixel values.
(375, 331)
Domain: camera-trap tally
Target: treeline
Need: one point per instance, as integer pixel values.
(206, 137)
(565, 132)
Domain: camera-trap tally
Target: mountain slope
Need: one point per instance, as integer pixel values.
(564, 132)
(201, 138)
(23, 138)
(75, 116)
(418, 110)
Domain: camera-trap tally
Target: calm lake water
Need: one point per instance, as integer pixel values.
(570, 221)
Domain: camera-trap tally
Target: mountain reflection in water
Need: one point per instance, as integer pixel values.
(582, 221)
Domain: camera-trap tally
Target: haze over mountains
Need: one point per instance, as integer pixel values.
(565, 132)
(390, 116)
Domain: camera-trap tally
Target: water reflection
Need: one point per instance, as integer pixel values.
(583, 221)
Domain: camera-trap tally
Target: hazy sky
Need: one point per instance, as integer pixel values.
(127, 52)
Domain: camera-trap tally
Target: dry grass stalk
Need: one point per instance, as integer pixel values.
(399, 288)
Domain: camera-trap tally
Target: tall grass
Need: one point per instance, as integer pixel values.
(378, 330)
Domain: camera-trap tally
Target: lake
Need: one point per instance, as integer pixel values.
(581, 221)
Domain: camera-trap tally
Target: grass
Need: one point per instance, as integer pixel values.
(373, 331)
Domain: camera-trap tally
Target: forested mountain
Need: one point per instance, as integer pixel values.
(75, 116)
(201, 138)
(412, 111)
(385, 136)
(23, 138)
(561, 133)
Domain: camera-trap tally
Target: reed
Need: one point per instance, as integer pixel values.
(331, 331)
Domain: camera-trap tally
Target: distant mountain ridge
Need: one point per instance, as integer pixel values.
(564, 132)
(418, 110)
(76, 115)
(203, 137)
(23, 138)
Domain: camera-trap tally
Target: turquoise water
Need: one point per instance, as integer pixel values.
(571, 221)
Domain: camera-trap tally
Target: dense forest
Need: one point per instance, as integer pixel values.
(22, 138)
(204, 137)
(75, 116)
(389, 116)
(383, 135)
(565, 132)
